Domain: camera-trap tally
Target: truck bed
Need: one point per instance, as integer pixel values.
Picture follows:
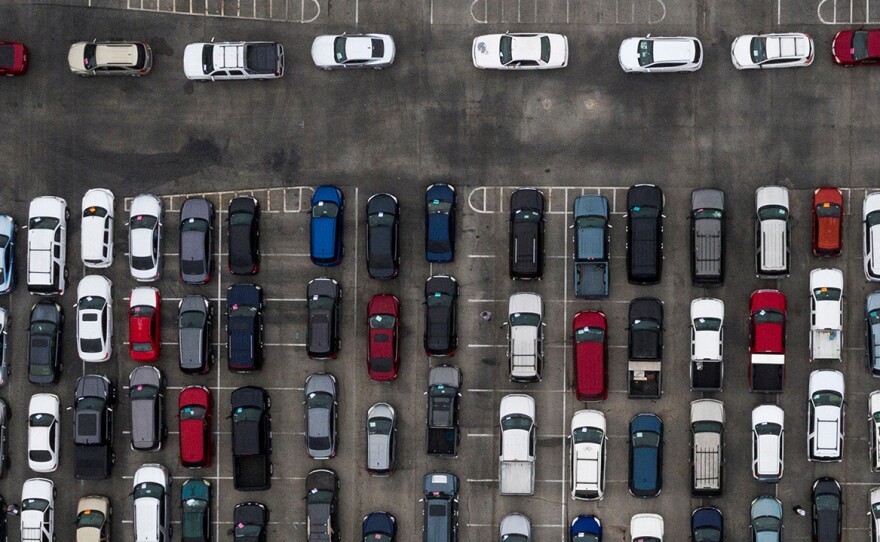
(706, 375)
(644, 379)
(767, 377)
(93, 462)
(590, 279)
(825, 344)
(252, 472)
(443, 441)
(706, 473)
(516, 477)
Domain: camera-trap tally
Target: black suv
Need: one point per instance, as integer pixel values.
(194, 318)
(644, 234)
(322, 337)
(93, 427)
(322, 500)
(645, 329)
(250, 520)
(441, 299)
(526, 250)
(383, 218)
(244, 327)
(44, 343)
(251, 439)
(244, 235)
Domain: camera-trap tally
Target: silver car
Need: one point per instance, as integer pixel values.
(320, 403)
(147, 395)
(516, 528)
(381, 439)
(132, 58)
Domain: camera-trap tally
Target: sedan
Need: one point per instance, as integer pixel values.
(331, 52)
(146, 394)
(381, 439)
(871, 236)
(655, 54)
(44, 343)
(766, 519)
(320, 391)
(322, 335)
(383, 217)
(379, 527)
(145, 238)
(195, 413)
(645, 455)
(585, 529)
(515, 528)
(7, 253)
(827, 510)
(196, 248)
(520, 51)
(326, 225)
(97, 228)
(195, 510)
(244, 235)
(759, 51)
(94, 318)
(383, 354)
(856, 47)
(44, 434)
(250, 520)
(93, 518)
(322, 501)
(4, 439)
(526, 249)
(827, 222)
(441, 300)
(194, 319)
(440, 223)
(144, 324)
(13, 58)
(707, 525)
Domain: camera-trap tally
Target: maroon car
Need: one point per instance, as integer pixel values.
(383, 355)
(856, 47)
(13, 58)
(590, 356)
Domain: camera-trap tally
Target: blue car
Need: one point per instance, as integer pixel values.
(645, 455)
(440, 223)
(379, 527)
(585, 529)
(325, 240)
(707, 525)
(7, 254)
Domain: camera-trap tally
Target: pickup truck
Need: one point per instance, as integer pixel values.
(767, 310)
(444, 383)
(525, 336)
(707, 344)
(707, 428)
(826, 314)
(516, 464)
(251, 439)
(591, 246)
(441, 507)
(645, 348)
(93, 428)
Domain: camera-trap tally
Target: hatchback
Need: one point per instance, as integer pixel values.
(94, 318)
(152, 503)
(244, 235)
(383, 318)
(196, 233)
(322, 501)
(7, 253)
(765, 51)
(645, 455)
(144, 324)
(440, 223)
(383, 218)
(145, 238)
(381, 439)
(195, 510)
(827, 221)
(441, 301)
(320, 392)
(134, 58)
(322, 300)
(379, 527)
(96, 231)
(146, 393)
(13, 58)
(194, 328)
(526, 223)
(250, 520)
(707, 525)
(44, 433)
(589, 333)
(655, 54)
(44, 343)
(766, 519)
(195, 414)
(326, 226)
(827, 510)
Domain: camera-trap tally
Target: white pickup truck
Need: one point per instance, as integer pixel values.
(516, 464)
(525, 335)
(826, 314)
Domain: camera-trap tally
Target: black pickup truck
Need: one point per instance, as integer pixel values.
(251, 439)
(645, 348)
(93, 428)
(644, 234)
(444, 383)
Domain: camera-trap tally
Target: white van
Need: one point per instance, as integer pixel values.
(47, 246)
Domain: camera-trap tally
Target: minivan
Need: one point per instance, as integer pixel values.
(772, 232)
(381, 439)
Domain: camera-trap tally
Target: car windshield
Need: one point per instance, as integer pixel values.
(876, 509)
(827, 502)
(644, 325)
(826, 294)
(700, 214)
(319, 400)
(524, 319)
(91, 346)
(246, 531)
(242, 310)
(772, 212)
(439, 299)
(207, 58)
(526, 215)
(707, 324)
(90, 518)
(873, 219)
(4, 240)
(766, 523)
(192, 412)
(830, 210)
(41, 420)
(94, 211)
(590, 222)
(380, 219)
(646, 52)
(827, 398)
(645, 439)
(144, 311)
(141, 347)
(143, 392)
(379, 426)
(320, 496)
(768, 316)
(436, 206)
(707, 534)
(143, 221)
(42, 328)
(590, 435)
(860, 45)
(545, 48)
(191, 319)
(589, 335)
(759, 50)
(148, 489)
(585, 537)
(707, 427)
(768, 428)
(644, 212)
(504, 50)
(325, 209)
(516, 421)
(240, 218)
(246, 414)
(321, 302)
(43, 223)
(339, 49)
(194, 224)
(381, 321)
(34, 504)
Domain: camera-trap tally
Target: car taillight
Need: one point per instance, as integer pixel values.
(143, 70)
(255, 269)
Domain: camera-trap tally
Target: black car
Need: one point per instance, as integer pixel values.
(244, 235)
(93, 427)
(195, 510)
(44, 343)
(645, 329)
(194, 325)
(440, 223)
(244, 327)
(250, 521)
(196, 249)
(322, 337)
(383, 218)
(322, 500)
(707, 525)
(827, 510)
(251, 439)
(379, 527)
(441, 299)
(644, 234)
(526, 250)
(707, 237)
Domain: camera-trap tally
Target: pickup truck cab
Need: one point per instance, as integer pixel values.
(707, 237)
(707, 344)
(644, 234)
(441, 507)
(226, 61)
(772, 223)
(525, 336)
(767, 313)
(592, 246)
(590, 333)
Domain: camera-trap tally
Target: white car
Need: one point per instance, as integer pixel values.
(646, 528)
(588, 452)
(97, 228)
(152, 513)
(660, 54)
(94, 318)
(874, 514)
(44, 433)
(825, 416)
(525, 336)
(145, 238)
(871, 237)
(47, 245)
(874, 412)
(38, 510)
(772, 216)
(768, 443)
(520, 51)
(707, 329)
(338, 51)
(760, 51)
(229, 61)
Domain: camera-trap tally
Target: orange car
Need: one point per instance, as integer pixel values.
(827, 221)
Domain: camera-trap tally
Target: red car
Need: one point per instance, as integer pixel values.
(383, 354)
(144, 323)
(766, 327)
(856, 47)
(13, 58)
(195, 426)
(589, 331)
(827, 222)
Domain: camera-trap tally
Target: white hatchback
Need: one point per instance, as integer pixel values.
(646, 527)
(537, 51)
(97, 228)
(44, 433)
(871, 236)
(764, 51)
(337, 51)
(660, 54)
(588, 452)
(145, 238)
(768, 443)
(94, 318)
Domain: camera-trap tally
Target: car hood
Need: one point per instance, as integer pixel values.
(323, 50)
(707, 345)
(515, 445)
(192, 60)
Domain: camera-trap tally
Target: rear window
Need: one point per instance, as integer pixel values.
(545, 49)
(436, 510)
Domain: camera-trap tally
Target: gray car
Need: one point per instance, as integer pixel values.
(196, 227)
(516, 528)
(381, 439)
(872, 333)
(194, 319)
(147, 399)
(707, 237)
(322, 298)
(4, 351)
(320, 393)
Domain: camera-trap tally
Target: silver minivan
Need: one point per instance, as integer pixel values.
(772, 232)
(381, 439)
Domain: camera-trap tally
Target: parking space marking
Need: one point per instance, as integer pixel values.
(218, 384)
(493, 199)
(291, 198)
(576, 11)
(259, 10)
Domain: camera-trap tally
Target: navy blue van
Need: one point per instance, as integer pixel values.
(645, 455)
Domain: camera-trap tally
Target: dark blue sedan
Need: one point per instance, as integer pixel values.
(585, 529)
(707, 525)
(325, 240)
(645, 455)
(379, 527)
(440, 223)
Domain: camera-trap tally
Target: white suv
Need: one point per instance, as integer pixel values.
(525, 336)
(825, 412)
(588, 452)
(44, 433)
(871, 237)
(47, 246)
(94, 318)
(38, 510)
(97, 228)
(768, 443)
(152, 515)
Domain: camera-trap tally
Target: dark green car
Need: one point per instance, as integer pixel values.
(195, 504)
